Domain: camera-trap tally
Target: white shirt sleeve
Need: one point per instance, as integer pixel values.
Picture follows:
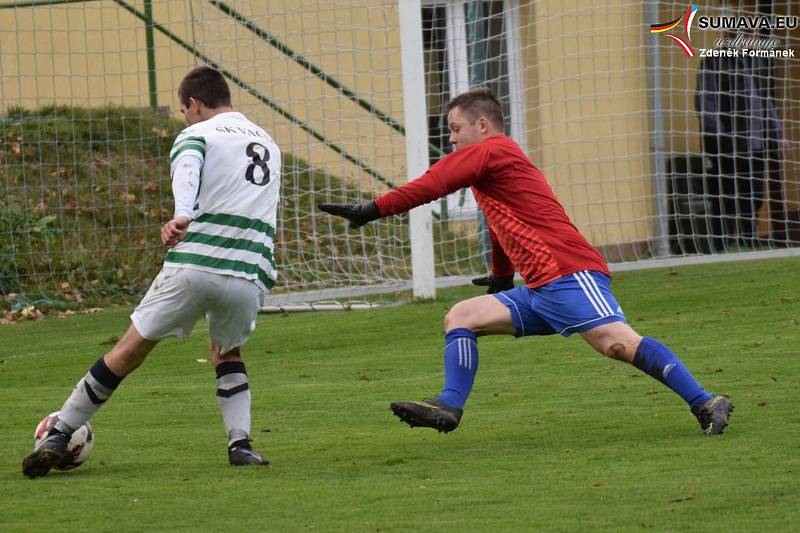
(186, 184)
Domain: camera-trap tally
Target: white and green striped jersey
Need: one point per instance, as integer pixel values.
(233, 216)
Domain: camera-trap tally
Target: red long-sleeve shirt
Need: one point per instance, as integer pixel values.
(522, 211)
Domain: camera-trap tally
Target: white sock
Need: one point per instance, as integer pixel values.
(89, 395)
(233, 394)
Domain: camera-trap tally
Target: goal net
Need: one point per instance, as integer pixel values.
(603, 97)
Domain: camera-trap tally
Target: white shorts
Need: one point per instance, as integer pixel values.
(180, 296)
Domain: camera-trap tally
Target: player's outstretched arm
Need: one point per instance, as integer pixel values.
(357, 214)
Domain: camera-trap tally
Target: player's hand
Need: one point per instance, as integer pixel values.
(174, 231)
(494, 283)
(357, 214)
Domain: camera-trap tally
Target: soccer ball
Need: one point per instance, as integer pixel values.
(79, 447)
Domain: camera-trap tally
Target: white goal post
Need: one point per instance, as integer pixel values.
(415, 112)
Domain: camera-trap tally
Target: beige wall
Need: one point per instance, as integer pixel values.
(84, 54)
(590, 129)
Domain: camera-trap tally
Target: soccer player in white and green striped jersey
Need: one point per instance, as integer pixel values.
(226, 183)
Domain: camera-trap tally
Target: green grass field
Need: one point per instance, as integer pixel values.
(555, 437)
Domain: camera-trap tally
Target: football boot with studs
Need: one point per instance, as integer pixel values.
(713, 414)
(47, 455)
(241, 453)
(428, 413)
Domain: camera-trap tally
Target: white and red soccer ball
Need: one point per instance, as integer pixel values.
(79, 447)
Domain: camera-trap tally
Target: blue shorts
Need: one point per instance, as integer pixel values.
(576, 302)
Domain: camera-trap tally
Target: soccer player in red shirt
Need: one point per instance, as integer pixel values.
(567, 281)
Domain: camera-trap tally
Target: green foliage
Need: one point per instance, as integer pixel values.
(554, 436)
(11, 219)
(85, 192)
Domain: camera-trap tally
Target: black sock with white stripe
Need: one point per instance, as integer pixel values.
(233, 394)
(90, 393)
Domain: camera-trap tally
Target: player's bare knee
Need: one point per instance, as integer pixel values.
(449, 320)
(457, 317)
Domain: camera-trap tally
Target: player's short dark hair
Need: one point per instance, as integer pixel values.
(206, 85)
(476, 103)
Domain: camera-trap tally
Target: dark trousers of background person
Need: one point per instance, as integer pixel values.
(736, 187)
(736, 192)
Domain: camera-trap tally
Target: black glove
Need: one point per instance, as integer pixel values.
(357, 214)
(495, 283)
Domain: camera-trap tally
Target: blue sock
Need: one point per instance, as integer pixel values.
(460, 365)
(658, 361)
